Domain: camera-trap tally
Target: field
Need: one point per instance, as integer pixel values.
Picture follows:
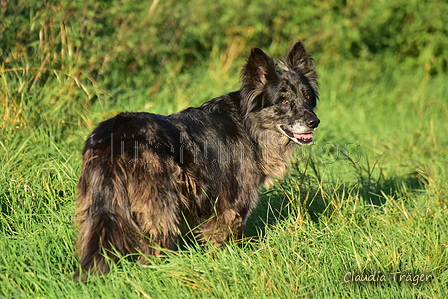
(367, 201)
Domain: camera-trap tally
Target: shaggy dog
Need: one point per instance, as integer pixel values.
(148, 179)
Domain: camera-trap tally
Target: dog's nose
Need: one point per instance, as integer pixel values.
(313, 122)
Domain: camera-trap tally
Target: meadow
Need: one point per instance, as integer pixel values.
(364, 211)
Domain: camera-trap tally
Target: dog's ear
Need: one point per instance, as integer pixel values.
(259, 70)
(298, 59)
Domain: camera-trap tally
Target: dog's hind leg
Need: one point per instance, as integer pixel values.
(231, 210)
(226, 225)
(155, 198)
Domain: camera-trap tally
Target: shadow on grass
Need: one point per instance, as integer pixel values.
(305, 192)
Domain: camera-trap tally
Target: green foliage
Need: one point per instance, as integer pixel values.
(369, 196)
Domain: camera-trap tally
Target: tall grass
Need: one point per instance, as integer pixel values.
(368, 197)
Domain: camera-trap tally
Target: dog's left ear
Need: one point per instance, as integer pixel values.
(298, 59)
(259, 71)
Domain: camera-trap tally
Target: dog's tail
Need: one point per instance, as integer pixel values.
(106, 229)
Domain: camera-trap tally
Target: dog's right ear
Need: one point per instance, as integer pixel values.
(259, 70)
(298, 59)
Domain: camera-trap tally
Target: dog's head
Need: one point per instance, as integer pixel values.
(283, 99)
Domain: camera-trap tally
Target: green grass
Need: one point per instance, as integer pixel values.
(369, 196)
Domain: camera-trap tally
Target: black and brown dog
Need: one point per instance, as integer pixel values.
(148, 179)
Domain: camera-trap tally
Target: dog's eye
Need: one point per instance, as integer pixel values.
(306, 94)
(283, 100)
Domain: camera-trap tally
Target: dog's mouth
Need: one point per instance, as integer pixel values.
(300, 138)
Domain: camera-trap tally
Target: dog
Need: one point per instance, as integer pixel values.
(148, 180)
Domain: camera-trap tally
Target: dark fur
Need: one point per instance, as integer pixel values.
(148, 179)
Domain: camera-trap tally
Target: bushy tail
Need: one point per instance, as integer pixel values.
(106, 229)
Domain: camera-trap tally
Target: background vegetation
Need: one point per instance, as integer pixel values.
(370, 196)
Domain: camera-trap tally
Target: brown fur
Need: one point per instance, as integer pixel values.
(148, 179)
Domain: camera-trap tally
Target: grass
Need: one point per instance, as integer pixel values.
(368, 197)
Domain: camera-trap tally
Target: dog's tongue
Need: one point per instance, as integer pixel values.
(303, 136)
